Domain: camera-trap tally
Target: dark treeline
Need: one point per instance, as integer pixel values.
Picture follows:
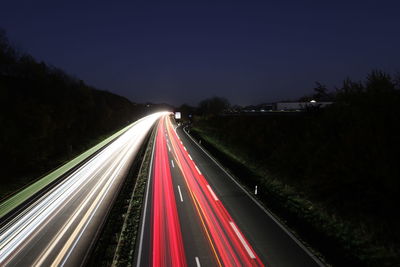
(48, 116)
(343, 158)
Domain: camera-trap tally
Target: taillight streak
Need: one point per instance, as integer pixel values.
(224, 235)
(167, 244)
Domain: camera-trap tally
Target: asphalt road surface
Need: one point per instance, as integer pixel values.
(196, 214)
(60, 227)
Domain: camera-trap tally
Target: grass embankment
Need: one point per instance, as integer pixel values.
(308, 175)
(28, 191)
(117, 241)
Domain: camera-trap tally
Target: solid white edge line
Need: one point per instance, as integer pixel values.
(197, 261)
(180, 193)
(244, 243)
(190, 157)
(290, 234)
(145, 203)
(212, 193)
(172, 162)
(185, 148)
(197, 170)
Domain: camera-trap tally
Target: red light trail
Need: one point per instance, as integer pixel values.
(228, 243)
(167, 244)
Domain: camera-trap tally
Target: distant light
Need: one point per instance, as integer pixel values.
(313, 101)
(177, 115)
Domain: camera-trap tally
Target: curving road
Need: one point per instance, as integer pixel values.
(195, 213)
(60, 227)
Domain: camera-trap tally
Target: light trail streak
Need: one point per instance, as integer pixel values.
(197, 169)
(212, 193)
(228, 243)
(167, 243)
(243, 241)
(80, 198)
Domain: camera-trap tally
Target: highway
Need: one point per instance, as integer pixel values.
(196, 214)
(59, 228)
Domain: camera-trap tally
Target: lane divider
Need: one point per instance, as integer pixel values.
(166, 241)
(20, 231)
(212, 193)
(230, 247)
(268, 213)
(244, 243)
(180, 193)
(198, 170)
(193, 196)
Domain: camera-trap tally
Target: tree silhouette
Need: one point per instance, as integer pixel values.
(48, 116)
(213, 106)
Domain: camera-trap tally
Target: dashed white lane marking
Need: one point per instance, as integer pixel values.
(244, 243)
(288, 232)
(185, 148)
(172, 162)
(169, 148)
(180, 193)
(197, 261)
(197, 170)
(190, 157)
(181, 143)
(212, 193)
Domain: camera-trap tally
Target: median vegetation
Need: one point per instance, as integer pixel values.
(116, 242)
(129, 235)
(332, 173)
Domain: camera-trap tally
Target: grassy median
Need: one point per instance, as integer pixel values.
(117, 241)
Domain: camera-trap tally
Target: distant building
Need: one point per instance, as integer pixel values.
(291, 106)
(271, 108)
(259, 108)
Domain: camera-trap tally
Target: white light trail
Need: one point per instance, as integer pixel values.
(82, 188)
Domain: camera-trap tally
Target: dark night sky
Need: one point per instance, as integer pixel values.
(247, 51)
